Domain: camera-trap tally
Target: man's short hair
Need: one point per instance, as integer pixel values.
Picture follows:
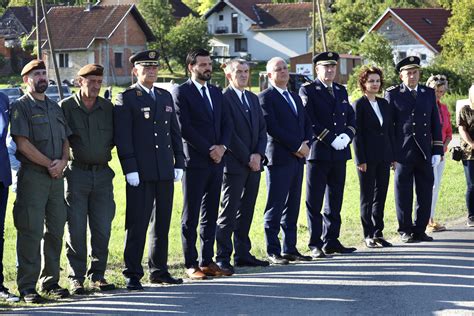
(231, 65)
(191, 59)
(272, 62)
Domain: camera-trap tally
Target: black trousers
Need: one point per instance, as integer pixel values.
(237, 209)
(373, 192)
(201, 190)
(324, 180)
(3, 209)
(149, 204)
(421, 171)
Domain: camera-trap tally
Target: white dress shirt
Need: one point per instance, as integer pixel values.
(376, 108)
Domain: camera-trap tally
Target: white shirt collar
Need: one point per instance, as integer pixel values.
(410, 89)
(237, 91)
(280, 89)
(325, 85)
(144, 88)
(199, 86)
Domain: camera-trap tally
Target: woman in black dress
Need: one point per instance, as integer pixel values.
(374, 154)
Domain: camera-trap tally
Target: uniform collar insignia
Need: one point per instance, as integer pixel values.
(139, 93)
(318, 87)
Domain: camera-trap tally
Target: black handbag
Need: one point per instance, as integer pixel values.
(456, 153)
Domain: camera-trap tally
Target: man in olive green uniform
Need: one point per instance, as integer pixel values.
(40, 131)
(89, 193)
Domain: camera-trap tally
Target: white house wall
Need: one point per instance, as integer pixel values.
(260, 45)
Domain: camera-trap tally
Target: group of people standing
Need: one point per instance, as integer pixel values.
(216, 142)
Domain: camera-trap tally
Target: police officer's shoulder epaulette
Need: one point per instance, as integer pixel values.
(391, 88)
(162, 91)
(129, 89)
(306, 84)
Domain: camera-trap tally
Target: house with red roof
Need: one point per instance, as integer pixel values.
(414, 31)
(106, 35)
(259, 29)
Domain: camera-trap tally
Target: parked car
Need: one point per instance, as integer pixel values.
(294, 84)
(13, 93)
(53, 93)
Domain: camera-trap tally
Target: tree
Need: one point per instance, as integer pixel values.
(458, 40)
(181, 40)
(205, 5)
(159, 17)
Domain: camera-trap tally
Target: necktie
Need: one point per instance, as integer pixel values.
(331, 91)
(152, 95)
(206, 99)
(413, 93)
(287, 97)
(246, 107)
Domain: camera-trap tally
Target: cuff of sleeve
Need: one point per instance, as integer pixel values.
(129, 165)
(350, 131)
(326, 136)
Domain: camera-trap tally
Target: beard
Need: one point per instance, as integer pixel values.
(41, 86)
(204, 76)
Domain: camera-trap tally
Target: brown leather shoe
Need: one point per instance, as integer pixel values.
(195, 273)
(213, 270)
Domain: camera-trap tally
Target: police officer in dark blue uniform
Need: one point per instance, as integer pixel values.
(333, 123)
(417, 148)
(150, 150)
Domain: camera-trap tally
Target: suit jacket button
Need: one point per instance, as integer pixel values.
(166, 122)
(169, 146)
(343, 113)
(334, 114)
(424, 114)
(413, 114)
(425, 124)
(154, 122)
(381, 134)
(335, 124)
(167, 134)
(414, 134)
(414, 123)
(156, 146)
(425, 134)
(156, 134)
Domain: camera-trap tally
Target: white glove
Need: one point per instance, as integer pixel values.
(178, 174)
(133, 179)
(346, 139)
(435, 160)
(338, 143)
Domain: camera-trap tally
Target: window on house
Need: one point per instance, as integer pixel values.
(221, 17)
(241, 45)
(118, 60)
(402, 55)
(343, 66)
(63, 60)
(423, 56)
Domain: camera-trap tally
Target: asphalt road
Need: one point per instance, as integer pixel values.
(408, 279)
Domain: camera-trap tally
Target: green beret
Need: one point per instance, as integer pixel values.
(91, 70)
(33, 65)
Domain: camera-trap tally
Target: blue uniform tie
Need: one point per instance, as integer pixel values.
(287, 97)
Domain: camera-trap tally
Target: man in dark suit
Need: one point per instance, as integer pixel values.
(148, 140)
(418, 148)
(206, 127)
(242, 170)
(289, 133)
(5, 182)
(333, 123)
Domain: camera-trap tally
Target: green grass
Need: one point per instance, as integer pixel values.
(451, 205)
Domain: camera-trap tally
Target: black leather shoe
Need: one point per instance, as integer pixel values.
(422, 237)
(277, 259)
(251, 262)
(133, 284)
(226, 267)
(317, 253)
(370, 243)
(31, 296)
(165, 278)
(296, 257)
(339, 249)
(382, 242)
(56, 291)
(6, 296)
(407, 238)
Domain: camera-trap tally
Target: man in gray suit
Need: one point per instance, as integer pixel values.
(242, 169)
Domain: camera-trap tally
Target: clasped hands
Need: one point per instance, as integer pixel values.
(341, 142)
(303, 151)
(254, 162)
(56, 168)
(216, 152)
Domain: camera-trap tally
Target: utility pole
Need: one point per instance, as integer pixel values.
(38, 36)
(321, 24)
(51, 49)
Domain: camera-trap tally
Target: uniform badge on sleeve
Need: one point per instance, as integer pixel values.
(146, 115)
(168, 109)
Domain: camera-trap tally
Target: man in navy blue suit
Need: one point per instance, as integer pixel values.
(5, 181)
(289, 133)
(418, 148)
(206, 128)
(242, 170)
(333, 122)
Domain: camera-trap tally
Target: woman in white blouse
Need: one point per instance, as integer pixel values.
(374, 154)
